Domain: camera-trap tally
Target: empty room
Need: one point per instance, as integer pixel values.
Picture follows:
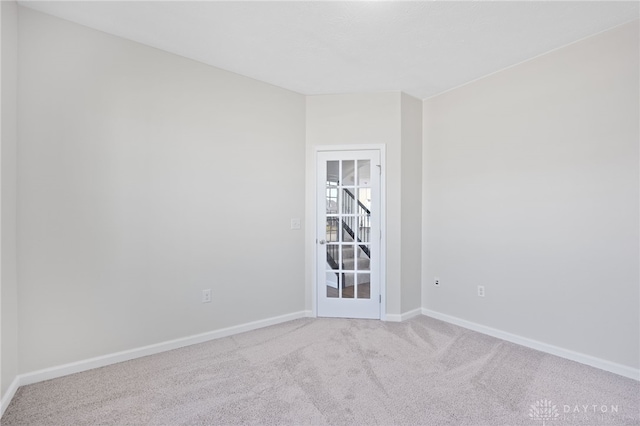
(320, 213)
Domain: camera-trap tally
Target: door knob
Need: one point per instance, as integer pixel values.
(322, 241)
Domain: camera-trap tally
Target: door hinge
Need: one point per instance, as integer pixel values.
(379, 168)
(379, 298)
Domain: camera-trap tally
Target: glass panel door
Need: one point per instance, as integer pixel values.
(348, 216)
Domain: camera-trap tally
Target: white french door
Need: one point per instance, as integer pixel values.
(348, 234)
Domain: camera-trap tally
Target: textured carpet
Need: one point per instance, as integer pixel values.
(337, 372)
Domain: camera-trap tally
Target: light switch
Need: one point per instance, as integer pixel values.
(295, 223)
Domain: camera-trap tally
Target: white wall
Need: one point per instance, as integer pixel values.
(144, 178)
(531, 189)
(411, 194)
(8, 146)
(129, 156)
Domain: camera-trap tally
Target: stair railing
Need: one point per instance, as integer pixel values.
(362, 220)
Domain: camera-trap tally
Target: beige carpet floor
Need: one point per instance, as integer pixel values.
(337, 372)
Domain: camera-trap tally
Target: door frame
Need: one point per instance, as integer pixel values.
(383, 228)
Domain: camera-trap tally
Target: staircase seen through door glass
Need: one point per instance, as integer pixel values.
(348, 226)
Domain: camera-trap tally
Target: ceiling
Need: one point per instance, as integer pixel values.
(327, 47)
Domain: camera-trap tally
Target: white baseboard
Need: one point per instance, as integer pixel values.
(403, 317)
(602, 364)
(114, 358)
(8, 396)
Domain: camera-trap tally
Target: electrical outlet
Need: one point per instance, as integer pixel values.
(295, 223)
(436, 281)
(206, 296)
(480, 291)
